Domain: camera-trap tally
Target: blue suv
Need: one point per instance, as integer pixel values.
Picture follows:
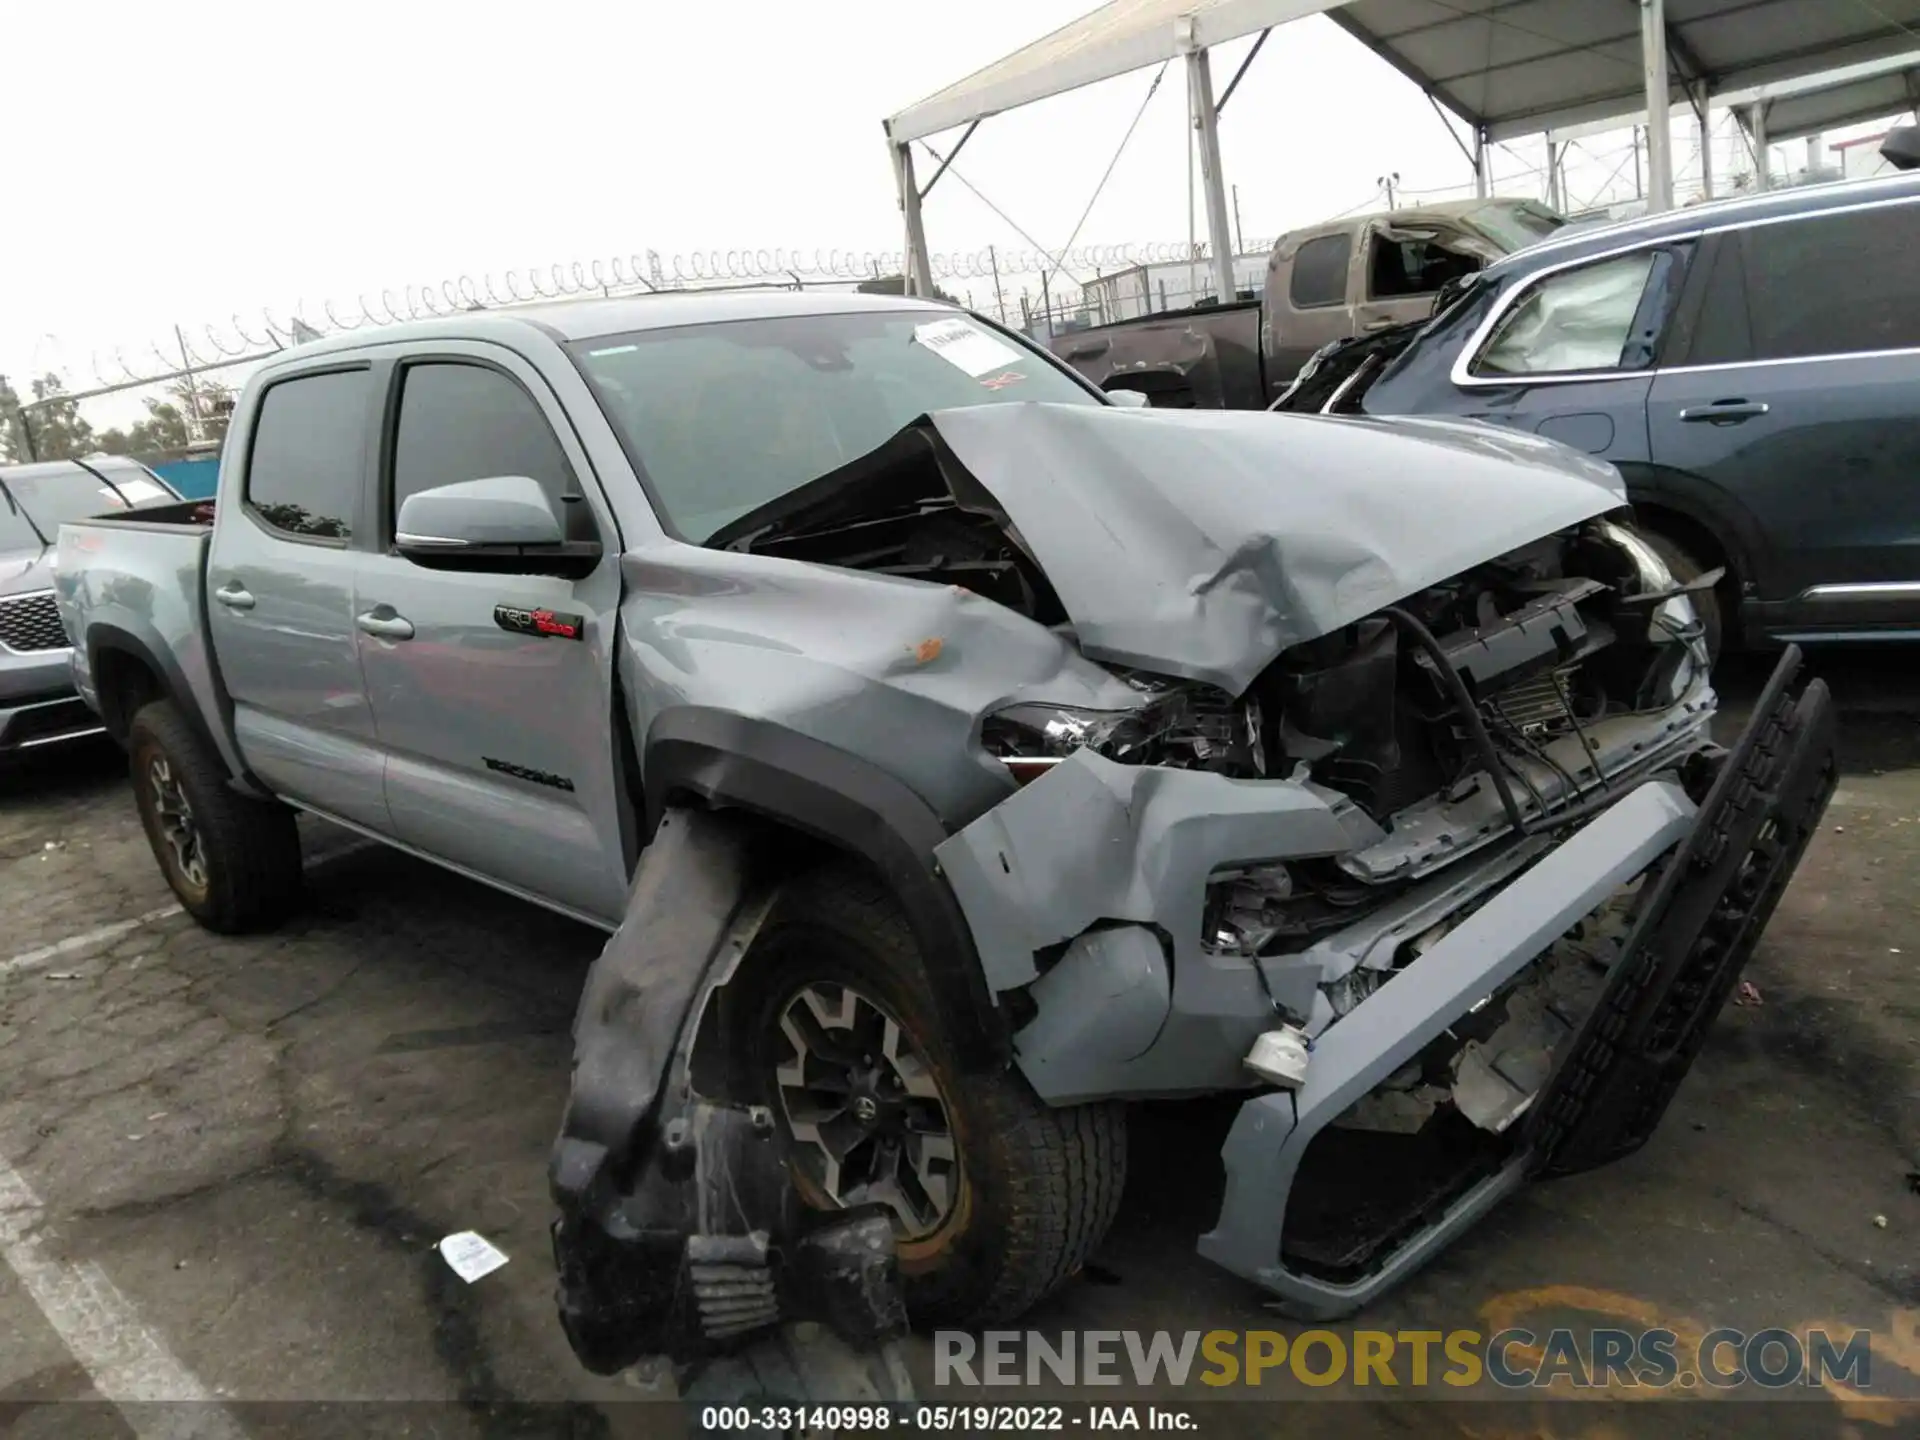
(1752, 366)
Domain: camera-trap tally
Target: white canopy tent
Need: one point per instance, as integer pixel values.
(1775, 114)
(1782, 111)
(1503, 67)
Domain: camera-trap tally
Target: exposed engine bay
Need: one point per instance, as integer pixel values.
(1569, 632)
(1545, 642)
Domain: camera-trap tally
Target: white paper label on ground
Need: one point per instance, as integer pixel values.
(471, 1256)
(965, 345)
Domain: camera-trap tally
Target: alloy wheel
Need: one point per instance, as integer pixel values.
(868, 1119)
(174, 815)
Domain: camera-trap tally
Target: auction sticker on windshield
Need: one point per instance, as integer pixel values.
(134, 492)
(965, 346)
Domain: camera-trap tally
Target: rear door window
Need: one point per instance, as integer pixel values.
(1834, 284)
(1577, 320)
(1320, 272)
(308, 457)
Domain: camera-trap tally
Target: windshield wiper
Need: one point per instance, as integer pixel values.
(102, 477)
(15, 506)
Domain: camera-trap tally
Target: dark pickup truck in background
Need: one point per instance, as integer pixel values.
(1324, 283)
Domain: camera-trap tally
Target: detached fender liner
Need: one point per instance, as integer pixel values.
(678, 1231)
(731, 760)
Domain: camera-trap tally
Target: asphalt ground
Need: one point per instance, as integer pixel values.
(224, 1163)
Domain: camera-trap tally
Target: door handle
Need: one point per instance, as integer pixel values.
(234, 596)
(388, 626)
(1724, 412)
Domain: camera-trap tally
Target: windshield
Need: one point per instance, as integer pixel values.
(52, 498)
(725, 417)
(1515, 225)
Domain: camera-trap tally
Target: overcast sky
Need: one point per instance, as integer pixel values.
(182, 164)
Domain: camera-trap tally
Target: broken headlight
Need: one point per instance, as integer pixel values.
(1192, 727)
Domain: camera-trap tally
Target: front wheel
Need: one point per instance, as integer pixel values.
(233, 861)
(996, 1198)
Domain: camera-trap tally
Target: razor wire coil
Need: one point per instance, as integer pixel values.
(249, 337)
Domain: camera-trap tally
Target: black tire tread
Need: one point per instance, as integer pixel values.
(1074, 1160)
(253, 846)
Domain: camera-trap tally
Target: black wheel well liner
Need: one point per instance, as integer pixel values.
(1694, 536)
(128, 674)
(723, 760)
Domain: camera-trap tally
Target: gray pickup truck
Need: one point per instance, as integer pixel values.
(957, 754)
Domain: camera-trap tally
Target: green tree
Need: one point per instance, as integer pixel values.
(12, 441)
(168, 426)
(58, 432)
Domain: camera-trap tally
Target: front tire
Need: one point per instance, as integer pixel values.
(234, 862)
(996, 1198)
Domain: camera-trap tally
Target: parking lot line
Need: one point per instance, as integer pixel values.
(129, 1365)
(31, 958)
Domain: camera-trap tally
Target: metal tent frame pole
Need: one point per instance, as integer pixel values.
(1653, 54)
(918, 268)
(1206, 123)
(1703, 106)
(1757, 124)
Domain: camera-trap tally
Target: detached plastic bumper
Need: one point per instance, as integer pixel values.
(1715, 872)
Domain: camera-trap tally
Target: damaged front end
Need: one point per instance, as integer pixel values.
(1441, 856)
(1384, 796)
(1466, 882)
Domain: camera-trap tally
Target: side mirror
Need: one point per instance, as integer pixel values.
(1901, 148)
(504, 524)
(1129, 399)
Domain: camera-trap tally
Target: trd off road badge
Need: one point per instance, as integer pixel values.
(557, 623)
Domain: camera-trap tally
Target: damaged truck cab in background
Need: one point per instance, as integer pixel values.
(1324, 283)
(956, 756)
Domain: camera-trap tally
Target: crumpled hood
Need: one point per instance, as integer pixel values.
(1201, 544)
(25, 570)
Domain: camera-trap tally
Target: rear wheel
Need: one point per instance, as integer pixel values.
(233, 861)
(1706, 603)
(995, 1197)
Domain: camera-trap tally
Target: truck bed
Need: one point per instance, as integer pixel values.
(170, 518)
(133, 586)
